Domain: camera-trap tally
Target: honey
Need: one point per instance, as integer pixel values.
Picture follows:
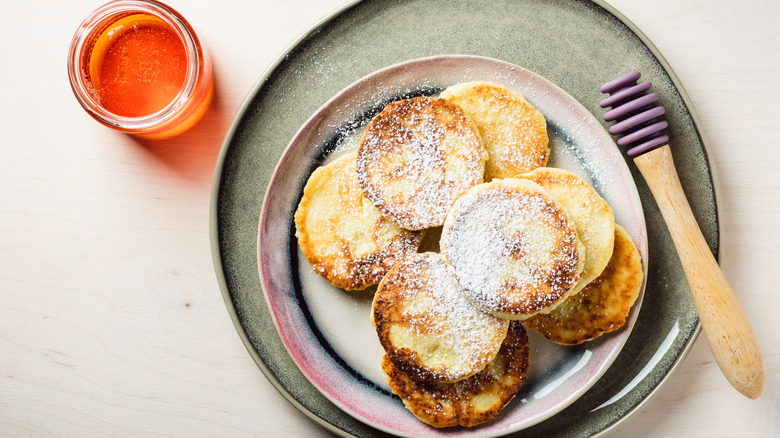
(137, 66)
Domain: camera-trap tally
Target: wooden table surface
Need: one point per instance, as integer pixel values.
(111, 319)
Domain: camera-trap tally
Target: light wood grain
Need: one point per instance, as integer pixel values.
(724, 323)
(111, 319)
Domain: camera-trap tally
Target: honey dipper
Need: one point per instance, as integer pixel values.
(725, 325)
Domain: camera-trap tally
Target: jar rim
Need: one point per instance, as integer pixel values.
(107, 14)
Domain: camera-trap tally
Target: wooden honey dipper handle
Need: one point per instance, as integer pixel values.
(725, 325)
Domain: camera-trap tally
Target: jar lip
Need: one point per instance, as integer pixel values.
(108, 13)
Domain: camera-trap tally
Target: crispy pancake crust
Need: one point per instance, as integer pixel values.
(514, 131)
(514, 248)
(427, 327)
(592, 216)
(417, 157)
(342, 235)
(603, 305)
(471, 401)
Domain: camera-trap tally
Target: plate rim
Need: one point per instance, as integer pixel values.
(214, 222)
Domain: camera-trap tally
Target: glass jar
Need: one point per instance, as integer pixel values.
(138, 67)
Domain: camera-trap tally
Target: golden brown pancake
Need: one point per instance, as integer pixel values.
(593, 217)
(427, 327)
(514, 131)
(474, 400)
(416, 158)
(342, 234)
(603, 305)
(514, 248)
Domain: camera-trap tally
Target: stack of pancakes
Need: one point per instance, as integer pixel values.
(522, 246)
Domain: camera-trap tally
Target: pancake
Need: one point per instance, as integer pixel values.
(416, 158)
(471, 401)
(428, 328)
(342, 235)
(514, 248)
(593, 217)
(603, 305)
(514, 131)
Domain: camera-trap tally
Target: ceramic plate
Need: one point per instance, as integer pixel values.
(576, 44)
(327, 331)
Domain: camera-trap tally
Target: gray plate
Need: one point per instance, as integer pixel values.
(576, 44)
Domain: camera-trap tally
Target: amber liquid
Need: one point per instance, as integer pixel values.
(137, 66)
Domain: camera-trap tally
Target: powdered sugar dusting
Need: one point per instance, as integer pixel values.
(513, 248)
(514, 131)
(342, 235)
(416, 158)
(422, 308)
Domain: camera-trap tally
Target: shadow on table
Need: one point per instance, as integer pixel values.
(192, 155)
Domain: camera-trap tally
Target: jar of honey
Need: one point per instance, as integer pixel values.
(138, 67)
